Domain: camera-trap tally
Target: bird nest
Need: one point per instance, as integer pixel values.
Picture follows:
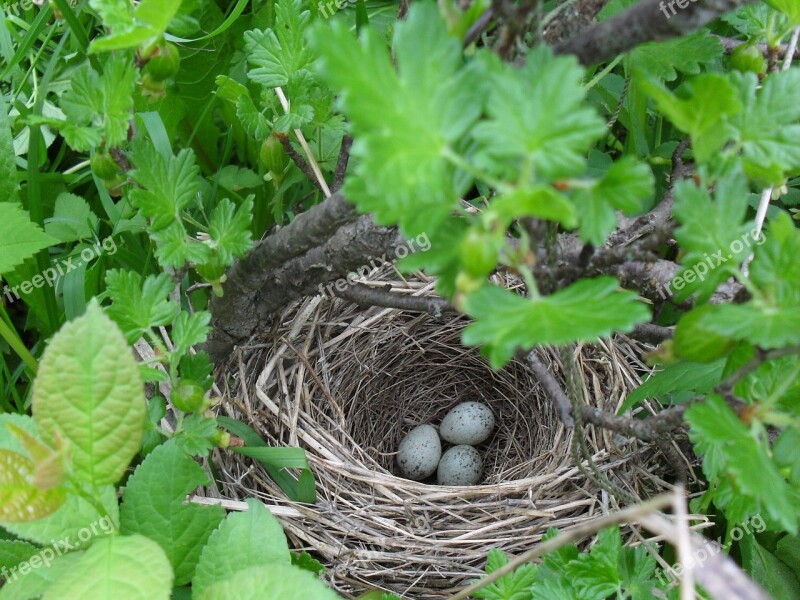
(347, 383)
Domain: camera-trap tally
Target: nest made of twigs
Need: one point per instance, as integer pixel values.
(347, 384)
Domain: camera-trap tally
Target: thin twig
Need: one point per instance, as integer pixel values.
(364, 295)
(553, 389)
(627, 515)
(297, 158)
(341, 164)
(479, 26)
(323, 185)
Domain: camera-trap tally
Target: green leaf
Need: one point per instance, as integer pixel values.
(538, 118)
(731, 452)
(246, 539)
(541, 201)
(697, 378)
(596, 574)
(406, 122)
(176, 248)
(514, 586)
(663, 60)
(72, 219)
(286, 582)
(139, 306)
(89, 392)
(788, 551)
(788, 7)
(768, 571)
(229, 229)
(8, 164)
(154, 505)
(712, 234)
(19, 237)
(13, 552)
(103, 103)
(73, 520)
(133, 567)
(149, 21)
(197, 431)
(255, 124)
(625, 187)
(35, 582)
(701, 108)
(20, 499)
(190, 330)
(505, 321)
(168, 184)
(279, 52)
(693, 341)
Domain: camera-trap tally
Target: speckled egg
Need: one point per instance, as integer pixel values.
(468, 423)
(460, 465)
(419, 452)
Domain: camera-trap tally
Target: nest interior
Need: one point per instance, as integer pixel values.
(348, 383)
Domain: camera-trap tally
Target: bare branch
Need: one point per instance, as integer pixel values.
(364, 295)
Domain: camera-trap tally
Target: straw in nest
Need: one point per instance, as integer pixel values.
(348, 383)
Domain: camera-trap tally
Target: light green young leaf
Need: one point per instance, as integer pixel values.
(154, 505)
(286, 582)
(731, 453)
(72, 219)
(505, 321)
(20, 500)
(33, 584)
(68, 523)
(137, 306)
(247, 539)
(229, 228)
(406, 122)
(540, 201)
(789, 7)
(517, 585)
(19, 237)
(168, 185)
(625, 186)
(280, 52)
(131, 567)
(8, 163)
(538, 119)
(88, 392)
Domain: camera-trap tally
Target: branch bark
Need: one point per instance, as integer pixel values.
(649, 20)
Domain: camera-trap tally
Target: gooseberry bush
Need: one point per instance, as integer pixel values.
(648, 187)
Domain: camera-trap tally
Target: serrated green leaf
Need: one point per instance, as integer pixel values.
(72, 219)
(695, 342)
(541, 201)
(190, 330)
(149, 21)
(712, 233)
(788, 7)
(229, 228)
(197, 431)
(19, 237)
(138, 306)
(538, 119)
(686, 54)
(596, 574)
(277, 53)
(731, 452)
(20, 499)
(168, 184)
(247, 539)
(175, 248)
(405, 122)
(13, 552)
(132, 567)
(505, 321)
(154, 505)
(89, 392)
(286, 582)
(255, 124)
(625, 186)
(514, 586)
(701, 108)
